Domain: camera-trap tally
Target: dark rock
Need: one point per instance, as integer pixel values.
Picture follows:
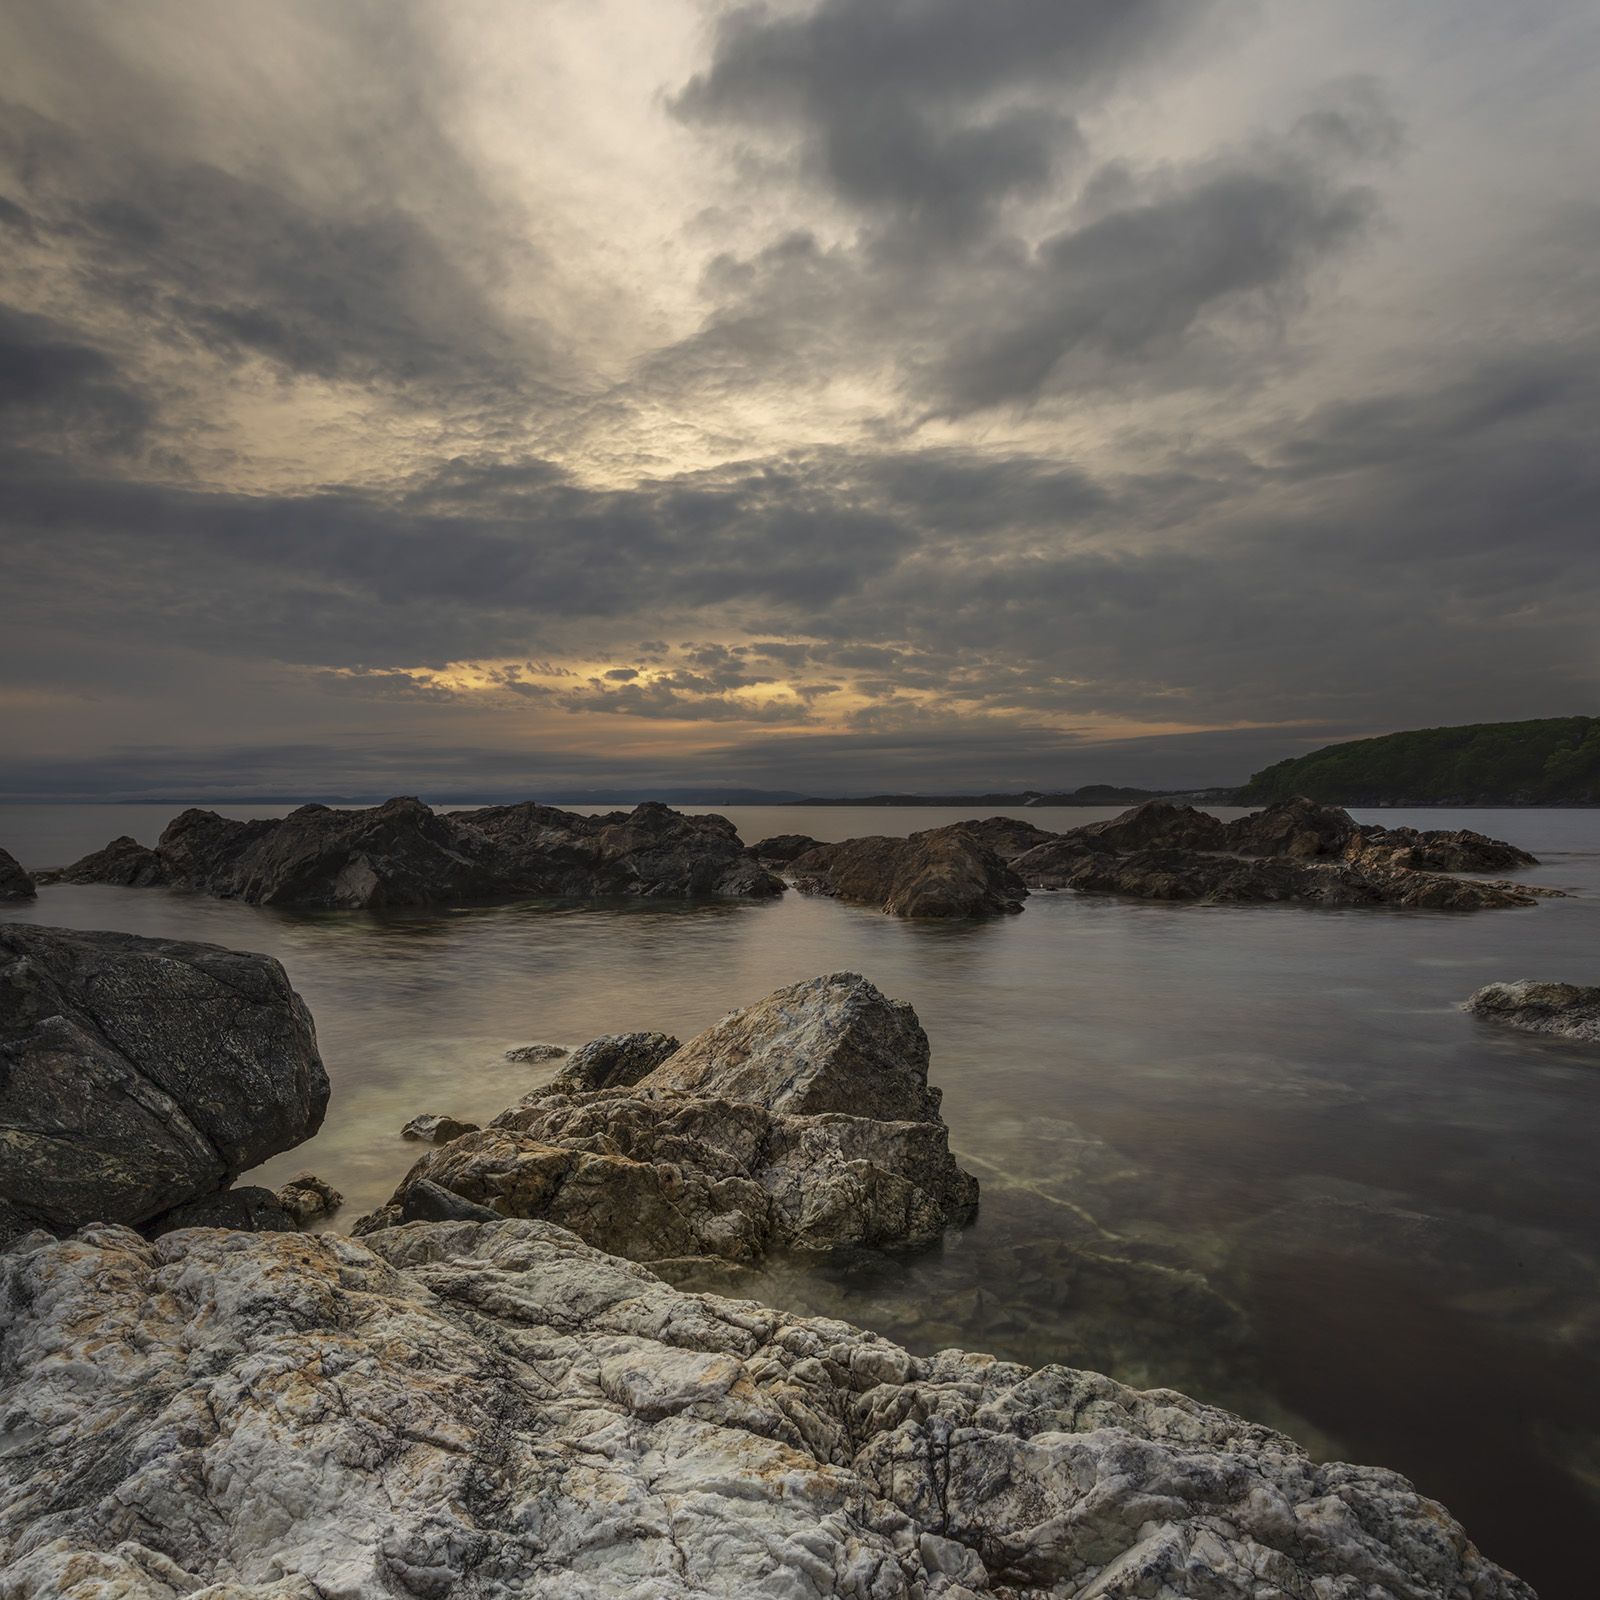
(1564, 1010)
(1157, 824)
(15, 883)
(782, 848)
(306, 1197)
(651, 850)
(1008, 837)
(427, 1202)
(614, 1061)
(245, 1209)
(124, 862)
(1191, 875)
(942, 872)
(1440, 850)
(434, 1129)
(138, 1074)
(1055, 864)
(1298, 828)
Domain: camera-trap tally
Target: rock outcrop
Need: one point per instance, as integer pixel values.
(404, 854)
(493, 1408)
(432, 1128)
(1563, 1010)
(942, 872)
(782, 848)
(138, 1074)
(1293, 851)
(15, 882)
(124, 862)
(247, 1208)
(803, 1123)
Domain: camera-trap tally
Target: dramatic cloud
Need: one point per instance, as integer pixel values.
(861, 394)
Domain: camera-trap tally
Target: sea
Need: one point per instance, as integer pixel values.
(1257, 1154)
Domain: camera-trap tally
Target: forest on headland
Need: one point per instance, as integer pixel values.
(1552, 761)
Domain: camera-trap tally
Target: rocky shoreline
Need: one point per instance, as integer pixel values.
(483, 1394)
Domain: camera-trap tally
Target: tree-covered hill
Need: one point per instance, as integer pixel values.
(1553, 761)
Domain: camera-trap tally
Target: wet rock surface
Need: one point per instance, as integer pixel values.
(138, 1074)
(1563, 1010)
(802, 1123)
(403, 854)
(15, 882)
(942, 872)
(495, 1408)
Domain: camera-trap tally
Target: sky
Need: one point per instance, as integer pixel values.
(485, 399)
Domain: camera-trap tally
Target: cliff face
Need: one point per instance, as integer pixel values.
(1553, 761)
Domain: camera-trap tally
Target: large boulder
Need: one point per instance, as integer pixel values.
(124, 862)
(834, 1043)
(1008, 837)
(1563, 1010)
(802, 1123)
(493, 1409)
(1299, 828)
(15, 882)
(781, 848)
(942, 872)
(1157, 824)
(651, 851)
(1438, 850)
(137, 1074)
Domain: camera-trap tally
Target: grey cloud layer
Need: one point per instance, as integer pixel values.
(1104, 460)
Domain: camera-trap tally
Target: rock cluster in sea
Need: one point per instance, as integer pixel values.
(1563, 1010)
(804, 1122)
(402, 853)
(495, 1408)
(141, 1074)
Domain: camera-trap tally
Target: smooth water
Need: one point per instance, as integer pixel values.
(1255, 1153)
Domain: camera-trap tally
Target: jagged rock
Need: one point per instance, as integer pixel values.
(942, 872)
(834, 1043)
(1299, 828)
(1157, 824)
(137, 1074)
(124, 862)
(404, 854)
(305, 1197)
(782, 848)
(536, 1052)
(614, 1061)
(15, 883)
(494, 1408)
(246, 1208)
(1190, 875)
(651, 850)
(1439, 850)
(804, 1122)
(435, 1129)
(1566, 1010)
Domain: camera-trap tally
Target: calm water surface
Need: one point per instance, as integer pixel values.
(1258, 1154)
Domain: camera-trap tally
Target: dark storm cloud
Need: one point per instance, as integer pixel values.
(57, 390)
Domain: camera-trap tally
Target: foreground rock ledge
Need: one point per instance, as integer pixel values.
(140, 1074)
(496, 1410)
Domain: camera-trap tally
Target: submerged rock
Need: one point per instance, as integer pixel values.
(305, 1197)
(804, 1122)
(137, 1074)
(536, 1052)
(124, 862)
(494, 1408)
(1564, 1010)
(942, 872)
(435, 1129)
(15, 883)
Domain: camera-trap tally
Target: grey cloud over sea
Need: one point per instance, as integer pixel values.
(869, 394)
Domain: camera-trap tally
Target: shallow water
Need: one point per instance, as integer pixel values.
(1258, 1154)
